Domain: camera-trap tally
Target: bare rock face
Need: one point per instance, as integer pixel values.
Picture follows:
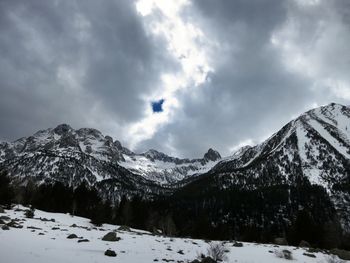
(62, 129)
(212, 155)
(118, 145)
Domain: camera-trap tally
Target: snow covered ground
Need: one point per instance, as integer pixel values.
(49, 243)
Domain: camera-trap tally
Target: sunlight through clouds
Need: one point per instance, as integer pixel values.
(182, 42)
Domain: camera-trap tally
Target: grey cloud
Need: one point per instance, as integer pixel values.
(83, 62)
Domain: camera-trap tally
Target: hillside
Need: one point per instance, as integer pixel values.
(44, 239)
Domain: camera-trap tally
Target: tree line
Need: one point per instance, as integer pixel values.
(302, 212)
(86, 202)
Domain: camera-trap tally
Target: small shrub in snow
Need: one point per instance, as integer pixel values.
(286, 254)
(237, 244)
(304, 243)
(281, 241)
(29, 213)
(217, 251)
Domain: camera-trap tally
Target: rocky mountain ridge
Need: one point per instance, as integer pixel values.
(86, 155)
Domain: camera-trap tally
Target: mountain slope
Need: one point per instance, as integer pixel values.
(308, 154)
(313, 140)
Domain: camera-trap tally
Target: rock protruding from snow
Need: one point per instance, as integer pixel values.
(111, 237)
(62, 129)
(110, 253)
(212, 155)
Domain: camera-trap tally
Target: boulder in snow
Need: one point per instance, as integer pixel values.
(111, 236)
(110, 253)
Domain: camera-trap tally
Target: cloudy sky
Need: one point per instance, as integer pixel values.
(179, 76)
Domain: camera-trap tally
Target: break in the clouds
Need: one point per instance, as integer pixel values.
(228, 73)
(157, 106)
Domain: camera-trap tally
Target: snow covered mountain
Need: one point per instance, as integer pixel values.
(86, 155)
(312, 140)
(312, 149)
(161, 168)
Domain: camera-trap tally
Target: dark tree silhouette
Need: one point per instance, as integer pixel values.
(6, 190)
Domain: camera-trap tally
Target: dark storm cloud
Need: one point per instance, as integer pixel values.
(81, 62)
(251, 93)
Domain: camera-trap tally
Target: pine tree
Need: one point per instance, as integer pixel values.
(6, 190)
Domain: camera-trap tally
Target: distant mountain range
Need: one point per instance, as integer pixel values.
(313, 148)
(86, 155)
(63, 142)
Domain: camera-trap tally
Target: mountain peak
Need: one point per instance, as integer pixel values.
(90, 132)
(154, 155)
(62, 128)
(212, 155)
(329, 107)
(332, 104)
